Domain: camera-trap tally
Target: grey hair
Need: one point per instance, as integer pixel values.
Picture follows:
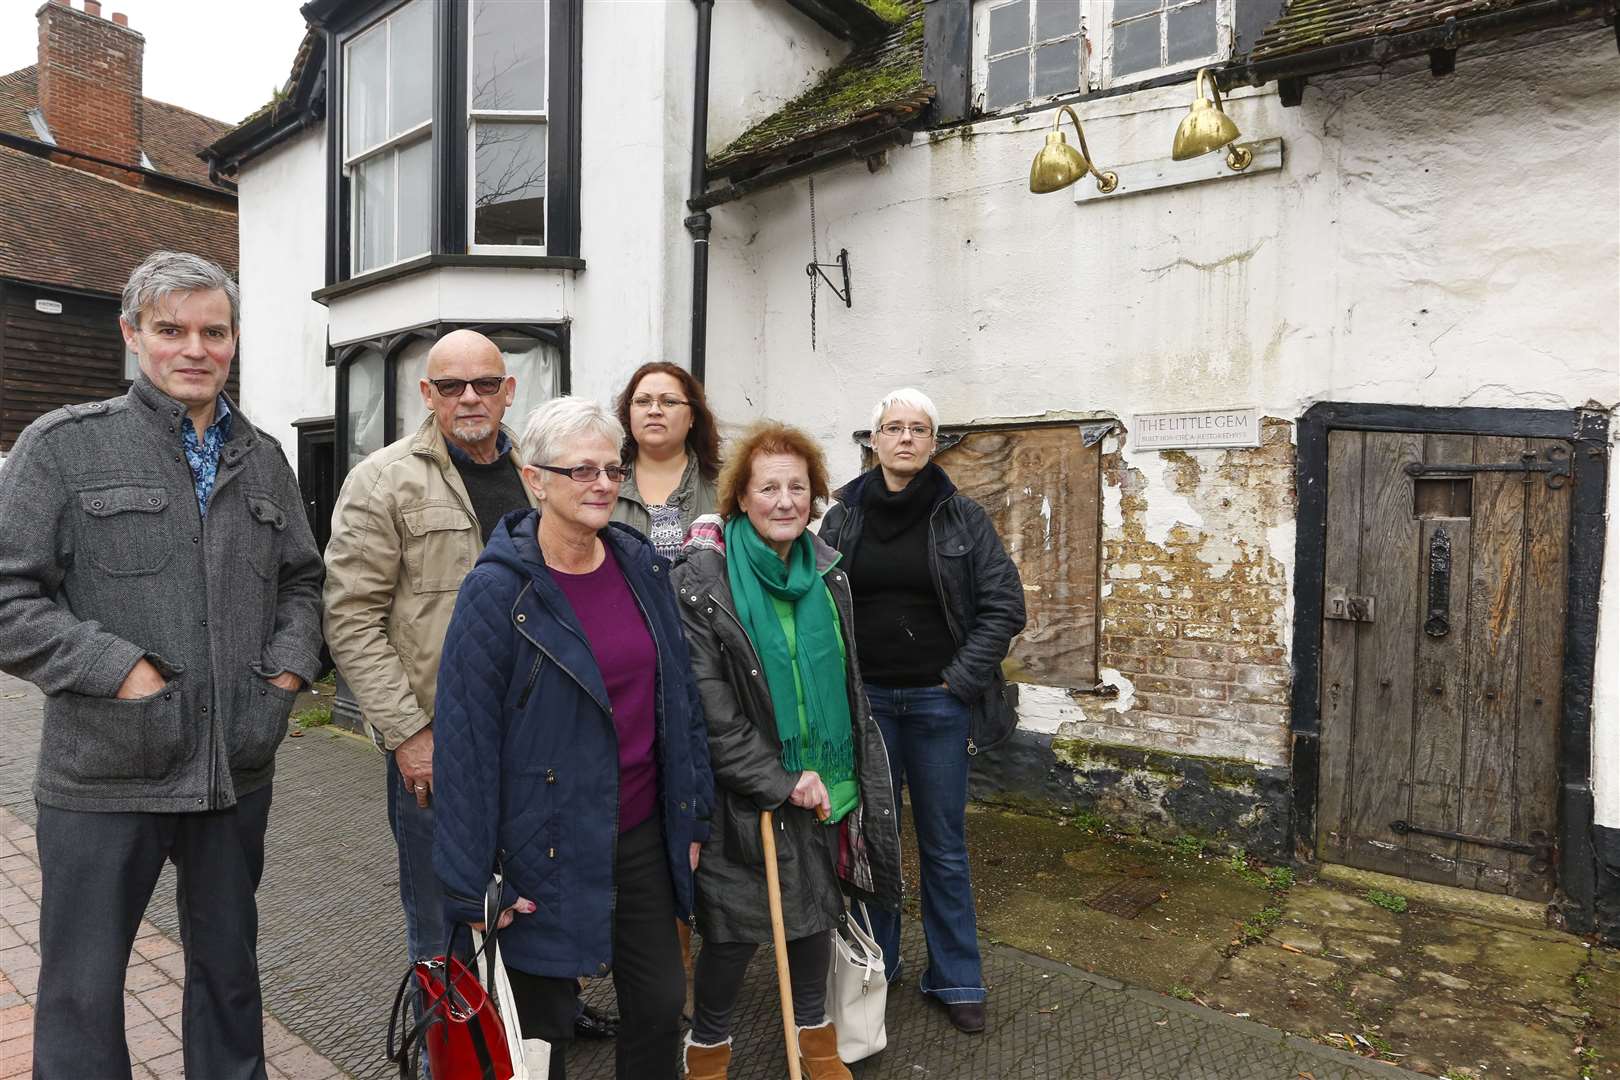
(910, 397)
(555, 422)
(167, 272)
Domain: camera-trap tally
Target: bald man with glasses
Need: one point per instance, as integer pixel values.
(409, 524)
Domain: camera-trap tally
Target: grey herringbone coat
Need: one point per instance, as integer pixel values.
(104, 559)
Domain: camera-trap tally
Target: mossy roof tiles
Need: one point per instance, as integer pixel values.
(1315, 24)
(878, 85)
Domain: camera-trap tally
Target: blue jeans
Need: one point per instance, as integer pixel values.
(926, 731)
(420, 893)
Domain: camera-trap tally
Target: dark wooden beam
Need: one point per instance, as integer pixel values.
(848, 19)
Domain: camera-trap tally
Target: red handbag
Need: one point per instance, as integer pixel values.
(458, 1025)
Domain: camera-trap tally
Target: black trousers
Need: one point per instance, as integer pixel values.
(98, 872)
(718, 978)
(647, 972)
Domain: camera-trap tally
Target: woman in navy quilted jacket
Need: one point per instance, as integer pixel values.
(569, 749)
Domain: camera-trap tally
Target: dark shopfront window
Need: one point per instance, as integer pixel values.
(455, 131)
(377, 391)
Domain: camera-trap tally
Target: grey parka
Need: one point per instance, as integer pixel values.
(746, 756)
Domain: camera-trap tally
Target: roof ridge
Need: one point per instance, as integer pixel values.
(148, 192)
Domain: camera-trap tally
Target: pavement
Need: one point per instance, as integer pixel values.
(331, 951)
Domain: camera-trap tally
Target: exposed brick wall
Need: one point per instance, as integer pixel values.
(1198, 622)
(90, 72)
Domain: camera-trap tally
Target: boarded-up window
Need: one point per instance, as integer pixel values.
(1041, 487)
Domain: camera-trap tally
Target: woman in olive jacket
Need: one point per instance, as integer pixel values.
(742, 576)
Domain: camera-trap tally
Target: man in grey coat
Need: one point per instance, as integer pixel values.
(159, 582)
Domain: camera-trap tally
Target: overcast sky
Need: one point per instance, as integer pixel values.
(222, 58)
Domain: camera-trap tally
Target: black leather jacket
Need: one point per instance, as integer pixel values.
(978, 587)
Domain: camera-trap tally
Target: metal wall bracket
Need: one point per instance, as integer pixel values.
(812, 269)
(1341, 605)
(1555, 464)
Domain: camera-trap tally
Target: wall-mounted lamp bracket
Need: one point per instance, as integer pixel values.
(1250, 158)
(814, 268)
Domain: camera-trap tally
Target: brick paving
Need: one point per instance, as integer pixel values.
(331, 950)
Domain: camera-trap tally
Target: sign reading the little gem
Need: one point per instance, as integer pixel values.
(1199, 429)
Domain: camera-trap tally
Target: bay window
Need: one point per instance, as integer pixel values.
(388, 136)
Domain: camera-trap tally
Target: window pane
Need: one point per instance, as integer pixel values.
(508, 55)
(1009, 26)
(415, 199)
(1008, 82)
(410, 77)
(366, 105)
(1125, 9)
(1136, 46)
(1057, 68)
(537, 368)
(1055, 18)
(365, 413)
(510, 199)
(373, 240)
(410, 367)
(1191, 32)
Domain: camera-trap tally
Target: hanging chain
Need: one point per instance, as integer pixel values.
(814, 258)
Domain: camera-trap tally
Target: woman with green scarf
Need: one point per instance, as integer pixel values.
(768, 618)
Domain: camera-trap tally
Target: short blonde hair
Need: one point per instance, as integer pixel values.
(910, 397)
(555, 422)
(770, 437)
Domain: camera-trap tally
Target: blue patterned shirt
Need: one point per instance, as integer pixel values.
(203, 455)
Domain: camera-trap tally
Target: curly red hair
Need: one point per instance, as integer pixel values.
(770, 437)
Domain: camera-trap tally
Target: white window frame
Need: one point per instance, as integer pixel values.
(1097, 50)
(538, 117)
(1224, 16)
(395, 144)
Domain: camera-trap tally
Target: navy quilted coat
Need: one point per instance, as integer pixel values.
(526, 759)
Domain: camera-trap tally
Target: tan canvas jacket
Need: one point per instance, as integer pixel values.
(403, 536)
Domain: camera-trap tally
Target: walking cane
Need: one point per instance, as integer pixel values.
(784, 984)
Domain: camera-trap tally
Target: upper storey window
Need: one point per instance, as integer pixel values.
(388, 136)
(507, 125)
(1029, 50)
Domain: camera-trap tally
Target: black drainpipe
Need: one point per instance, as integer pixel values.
(698, 224)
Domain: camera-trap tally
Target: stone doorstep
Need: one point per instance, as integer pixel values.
(1487, 905)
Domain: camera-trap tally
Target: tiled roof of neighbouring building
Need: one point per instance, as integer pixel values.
(879, 85)
(63, 226)
(172, 136)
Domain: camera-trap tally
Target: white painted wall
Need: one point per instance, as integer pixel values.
(762, 55)
(282, 227)
(1428, 241)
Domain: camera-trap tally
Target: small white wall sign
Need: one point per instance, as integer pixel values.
(49, 307)
(1198, 429)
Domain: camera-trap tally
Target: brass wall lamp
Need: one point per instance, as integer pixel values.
(1058, 164)
(1206, 128)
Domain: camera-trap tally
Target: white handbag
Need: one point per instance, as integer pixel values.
(857, 993)
(531, 1058)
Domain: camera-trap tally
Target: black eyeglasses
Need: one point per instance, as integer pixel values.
(667, 401)
(486, 386)
(587, 473)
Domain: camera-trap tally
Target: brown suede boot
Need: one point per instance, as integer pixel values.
(706, 1062)
(818, 1054)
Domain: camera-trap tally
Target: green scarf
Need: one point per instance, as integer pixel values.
(817, 734)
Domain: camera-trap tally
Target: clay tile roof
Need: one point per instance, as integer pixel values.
(879, 85)
(63, 226)
(1316, 24)
(172, 137)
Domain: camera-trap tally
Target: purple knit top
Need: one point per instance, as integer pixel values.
(628, 659)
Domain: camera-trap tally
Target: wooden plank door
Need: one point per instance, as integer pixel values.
(1441, 657)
